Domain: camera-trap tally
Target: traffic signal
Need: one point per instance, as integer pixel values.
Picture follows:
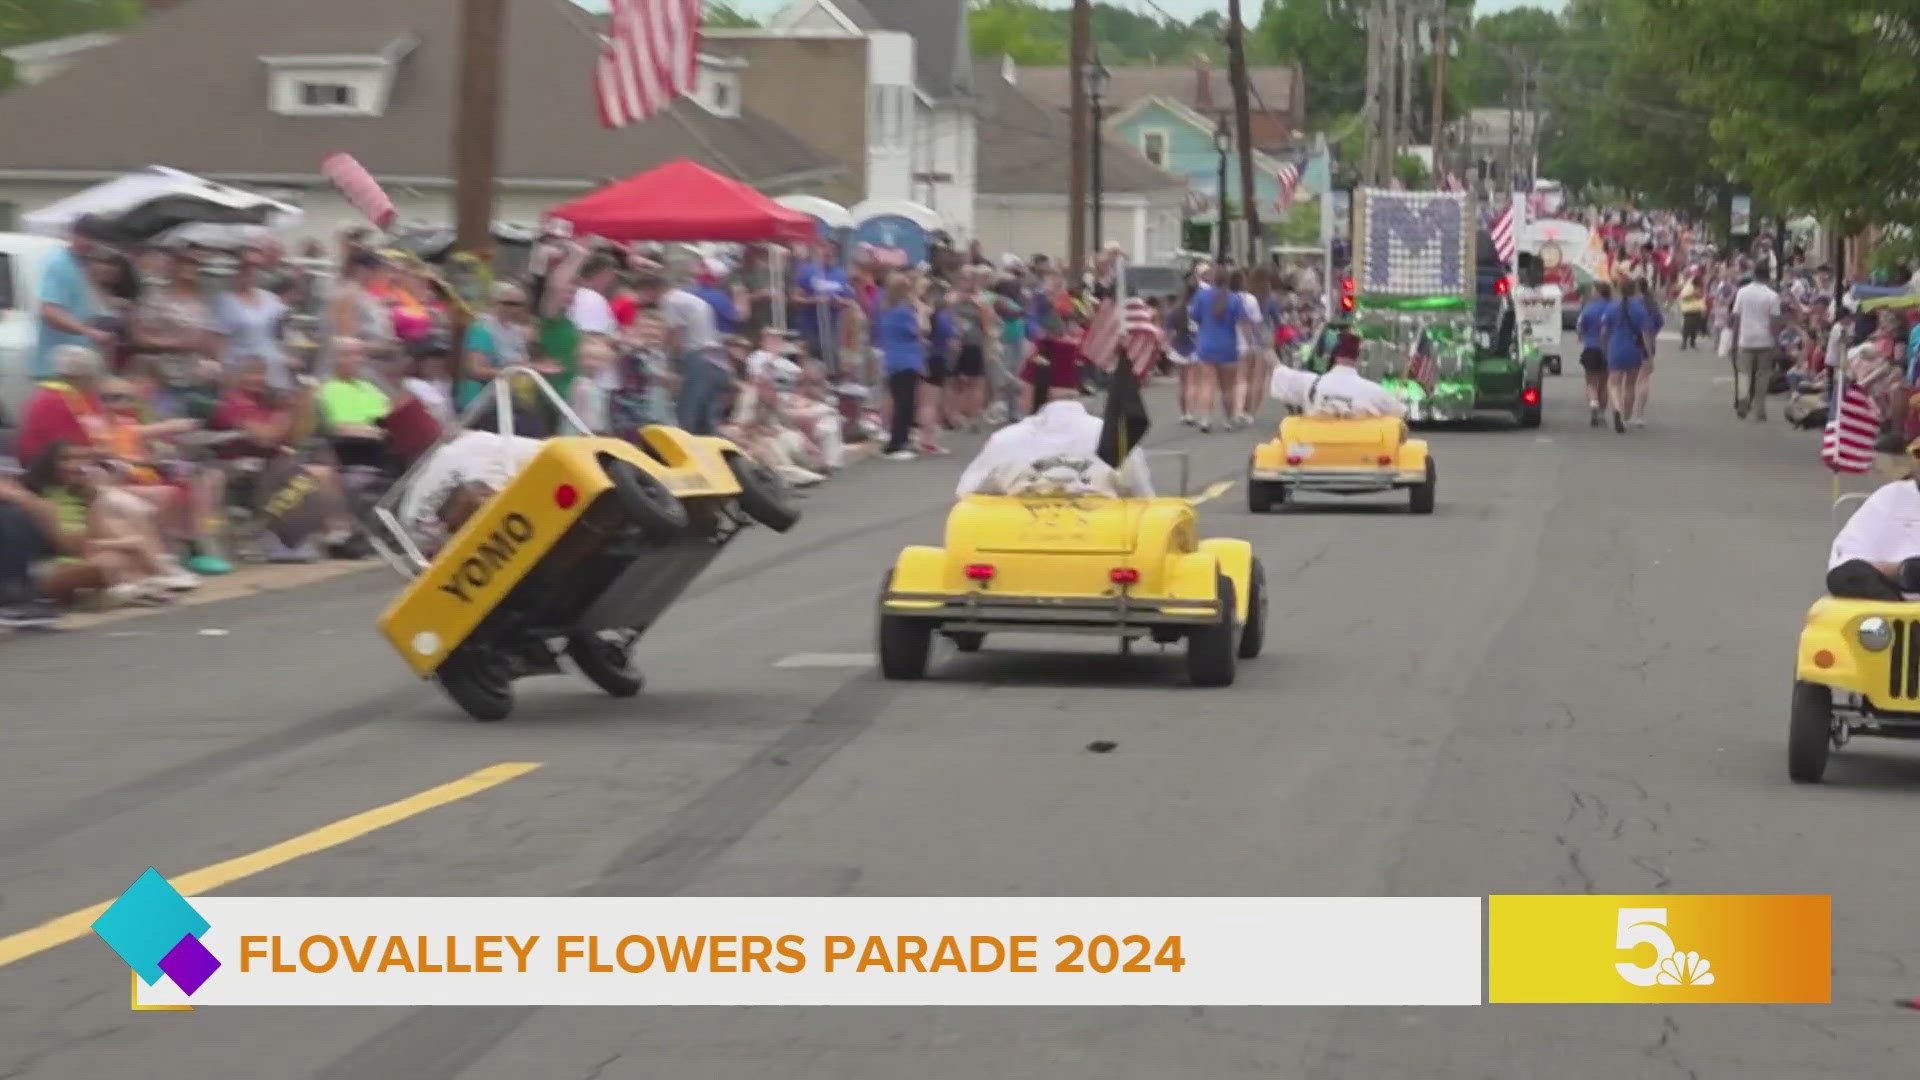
(1346, 294)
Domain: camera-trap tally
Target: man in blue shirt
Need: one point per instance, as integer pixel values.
(819, 287)
(1593, 352)
(68, 302)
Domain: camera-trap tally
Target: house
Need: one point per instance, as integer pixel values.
(917, 123)
(1022, 204)
(1277, 110)
(1496, 145)
(257, 92)
(1176, 138)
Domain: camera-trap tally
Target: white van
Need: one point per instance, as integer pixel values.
(23, 258)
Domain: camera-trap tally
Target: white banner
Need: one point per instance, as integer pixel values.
(836, 951)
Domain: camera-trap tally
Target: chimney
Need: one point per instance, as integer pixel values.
(1202, 85)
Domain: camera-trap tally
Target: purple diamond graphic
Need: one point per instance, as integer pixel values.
(189, 964)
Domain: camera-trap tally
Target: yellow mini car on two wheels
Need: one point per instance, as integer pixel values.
(1857, 673)
(1126, 568)
(1340, 456)
(592, 540)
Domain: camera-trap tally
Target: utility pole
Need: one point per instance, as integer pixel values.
(1439, 91)
(1079, 49)
(476, 129)
(1243, 128)
(1374, 109)
(1389, 87)
(1407, 34)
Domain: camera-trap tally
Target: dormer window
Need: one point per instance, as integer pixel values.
(716, 87)
(342, 83)
(327, 96)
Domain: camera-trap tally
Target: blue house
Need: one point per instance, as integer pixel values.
(1179, 139)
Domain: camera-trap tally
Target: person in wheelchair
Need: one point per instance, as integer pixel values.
(1876, 556)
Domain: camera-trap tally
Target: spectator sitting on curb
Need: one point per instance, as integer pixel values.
(272, 424)
(30, 533)
(116, 554)
(756, 427)
(144, 461)
(808, 407)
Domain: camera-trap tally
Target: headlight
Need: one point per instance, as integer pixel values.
(1875, 634)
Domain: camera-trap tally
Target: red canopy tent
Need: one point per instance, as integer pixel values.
(684, 201)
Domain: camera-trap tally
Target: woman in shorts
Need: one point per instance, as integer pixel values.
(1593, 353)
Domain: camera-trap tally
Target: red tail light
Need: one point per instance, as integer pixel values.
(1385, 460)
(979, 571)
(1530, 396)
(1294, 459)
(1346, 303)
(1500, 286)
(565, 496)
(1123, 575)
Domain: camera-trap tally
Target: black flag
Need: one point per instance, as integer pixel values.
(1124, 424)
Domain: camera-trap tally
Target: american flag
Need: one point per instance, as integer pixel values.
(1453, 183)
(356, 185)
(1421, 365)
(1109, 327)
(1289, 177)
(1502, 230)
(650, 58)
(1852, 428)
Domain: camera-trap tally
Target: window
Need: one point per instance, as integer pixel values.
(722, 96)
(1153, 144)
(326, 95)
(7, 301)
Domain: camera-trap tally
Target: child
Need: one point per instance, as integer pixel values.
(589, 394)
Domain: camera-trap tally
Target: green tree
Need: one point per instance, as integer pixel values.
(726, 16)
(1021, 29)
(1328, 39)
(25, 21)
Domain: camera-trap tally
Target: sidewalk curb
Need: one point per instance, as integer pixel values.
(251, 580)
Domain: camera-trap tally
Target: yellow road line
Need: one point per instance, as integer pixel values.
(1214, 491)
(77, 925)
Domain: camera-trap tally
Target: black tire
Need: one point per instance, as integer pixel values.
(477, 686)
(1253, 635)
(1211, 649)
(645, 501)
(1260, 495)
(968, 640)
(606, 664)
(904, 643)
(1420, 496)
(762, 495)
(1810, 732)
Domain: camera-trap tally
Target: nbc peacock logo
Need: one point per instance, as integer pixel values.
(1644, 932)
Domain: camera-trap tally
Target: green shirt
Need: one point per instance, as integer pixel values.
(357, 402)
(560, 341)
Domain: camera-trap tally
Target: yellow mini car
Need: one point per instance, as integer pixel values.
(1857, 673)
(578, 556)
(1126, 568)
(1340, 456)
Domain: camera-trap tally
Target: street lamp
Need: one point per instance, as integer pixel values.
(1222, 142)
(1096, 76)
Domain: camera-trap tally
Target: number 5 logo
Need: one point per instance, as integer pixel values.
(1643, 926)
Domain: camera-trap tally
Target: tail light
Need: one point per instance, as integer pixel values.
(565, 496)
(1294, 459)
(1384, 460)
(1530, 396)
(1500, 286)
(979, 571)
(1123, 575)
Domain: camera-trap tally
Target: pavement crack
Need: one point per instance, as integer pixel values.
(600, 1066)
(1661, 882)
(1663, 1049)
(1573, 863)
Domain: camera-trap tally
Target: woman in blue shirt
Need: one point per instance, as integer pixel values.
(1628, 328)
(1217, 312)
(1593, 352)
(900, 332)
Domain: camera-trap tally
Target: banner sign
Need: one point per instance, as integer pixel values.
(1414, 243)
(893, 239)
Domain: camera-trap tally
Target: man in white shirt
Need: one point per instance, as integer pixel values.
(1054, 452)
(693, 341)
(1870, 557)
(1342, 391)
(457, 480)
(590, 310)
(1756, 338)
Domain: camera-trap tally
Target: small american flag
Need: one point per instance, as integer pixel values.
(1847, 445)
(1421, 365)
(1110, 328)
(1453, 183)
(356, 185)
(1289, 177)
(651, 57)
(1502, 231)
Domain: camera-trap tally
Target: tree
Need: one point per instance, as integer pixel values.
(726, 16)
(1328, 39)
(25, 21)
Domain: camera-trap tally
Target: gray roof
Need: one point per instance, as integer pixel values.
(1272, 84)
(942, 47)
(1023, 146)
(189, 90)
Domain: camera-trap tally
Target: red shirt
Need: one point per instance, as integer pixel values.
(56, 411)
(239, 411)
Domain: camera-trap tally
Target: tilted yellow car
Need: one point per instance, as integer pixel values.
(579, 555)
(1857, 673)
(1126, 568)
(1340, 456)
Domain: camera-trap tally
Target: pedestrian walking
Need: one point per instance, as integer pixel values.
(901, 332)
(1756, 335)
(1217, 311)
(1693, 311)
(1628, 328)
(1593, 350)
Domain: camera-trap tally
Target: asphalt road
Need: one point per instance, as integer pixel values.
(1573, 677)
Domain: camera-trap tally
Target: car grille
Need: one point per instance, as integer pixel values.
(1903, 659)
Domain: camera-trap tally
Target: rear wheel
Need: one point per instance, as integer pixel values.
(1211, 649)
(1529, 415)
(477, 683)
(904, 643)
(1809, 732)
(762, 495)
(1420, 496)
(645, 501)
(968, 640)
(606, 659)
(1253, 636)
(1261, 495)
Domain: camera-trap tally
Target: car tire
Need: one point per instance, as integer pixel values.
(1420, 496)
(1552, 364)
(606, 664)
(476, 686)
(1809, 732)
(1211, 650)
(645, 501)
(1253, 636)
(762, 496)
(1260, 495)
(968, 641)
(905, 643)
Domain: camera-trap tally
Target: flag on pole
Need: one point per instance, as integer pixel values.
(1422, 366)
(356, 185)
(1289, 177)
(1128, 326)
(650, 58)
(1852, 428)
(1505, 233)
